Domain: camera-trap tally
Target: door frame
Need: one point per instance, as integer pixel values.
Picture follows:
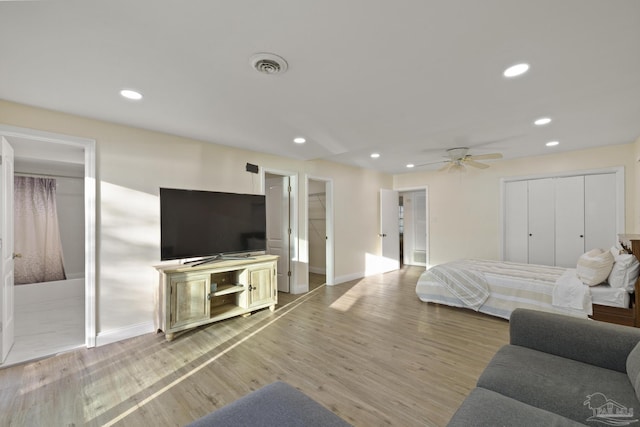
(424, 188)
(329, 225)
(7, 299)
(293, 221)
(89, 147)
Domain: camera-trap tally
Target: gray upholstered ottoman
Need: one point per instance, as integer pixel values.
(277, 404)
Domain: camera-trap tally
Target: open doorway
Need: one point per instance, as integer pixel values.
(317, 216)
(320, 231)
(55, 316)
(413, 227)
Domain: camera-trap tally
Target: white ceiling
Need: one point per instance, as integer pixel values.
(407, 79)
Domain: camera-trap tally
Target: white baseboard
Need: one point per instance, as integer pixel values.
(348, 277)
(317, 270)
(124, 333)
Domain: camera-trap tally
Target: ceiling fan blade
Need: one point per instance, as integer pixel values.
(455, 167)
(445, 167)
(475, 164)
(486, 156)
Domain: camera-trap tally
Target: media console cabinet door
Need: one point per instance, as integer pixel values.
(261, 281)
(189, 299)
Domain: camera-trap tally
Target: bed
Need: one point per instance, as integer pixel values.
(497, 288)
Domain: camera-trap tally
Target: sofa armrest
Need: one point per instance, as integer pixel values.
(589, 341)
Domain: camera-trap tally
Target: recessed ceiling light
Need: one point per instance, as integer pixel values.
(131, 94)
(552, 143)
(410, 165)
(375, 155)
(542, 121)
(299, 140)
(516, 70)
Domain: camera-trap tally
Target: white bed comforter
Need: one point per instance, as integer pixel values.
(509, 286)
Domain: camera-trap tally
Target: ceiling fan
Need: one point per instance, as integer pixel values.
(459, 159)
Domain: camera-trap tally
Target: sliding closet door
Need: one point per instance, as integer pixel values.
(541, 222)
(600, 211)
(516, 226)
(560, 217)
(570, 234)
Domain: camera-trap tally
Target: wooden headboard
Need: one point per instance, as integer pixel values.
(623, 316)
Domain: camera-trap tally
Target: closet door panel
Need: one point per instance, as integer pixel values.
(600, 211)
(541, 222)
(515, 222)
(569, 199)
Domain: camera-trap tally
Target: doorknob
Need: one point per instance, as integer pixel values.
(17, 256)
(382, 235)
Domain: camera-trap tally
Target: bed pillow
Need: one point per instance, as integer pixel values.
(594, 267)
(624, 272)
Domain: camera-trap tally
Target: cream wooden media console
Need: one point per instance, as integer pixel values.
(190, 296)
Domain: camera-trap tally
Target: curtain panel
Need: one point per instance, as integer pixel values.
(37, 233)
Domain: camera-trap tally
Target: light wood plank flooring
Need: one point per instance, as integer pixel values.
(315, 281)
(369, 350)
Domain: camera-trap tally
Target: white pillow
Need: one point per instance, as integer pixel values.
(624, 273)
(617, 250)
(594, 267)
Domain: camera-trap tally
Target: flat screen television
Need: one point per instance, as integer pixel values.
(196, 224)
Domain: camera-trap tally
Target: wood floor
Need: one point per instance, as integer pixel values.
(368, 350)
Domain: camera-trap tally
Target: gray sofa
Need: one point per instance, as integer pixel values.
(558, 371)
(277, 404)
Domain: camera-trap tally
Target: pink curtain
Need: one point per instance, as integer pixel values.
(37, 234)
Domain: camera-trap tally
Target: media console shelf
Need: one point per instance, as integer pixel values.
(190, 296)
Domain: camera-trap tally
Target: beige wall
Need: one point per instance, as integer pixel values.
(132, 164)
(464, 209)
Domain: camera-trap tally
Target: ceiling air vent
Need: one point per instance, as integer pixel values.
(268, 63)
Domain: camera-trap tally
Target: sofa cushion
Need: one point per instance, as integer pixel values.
(633, 369)
(487, 408)
(556, 384)
(277, 404)
(596, 343)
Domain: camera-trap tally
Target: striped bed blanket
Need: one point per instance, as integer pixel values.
(497, 288)
(467, 285)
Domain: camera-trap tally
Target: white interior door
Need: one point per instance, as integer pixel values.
(541, 222)
(278, 226)
(600, 211)
(516, 222)
(389, 230)
(569, 220)
(6, 241)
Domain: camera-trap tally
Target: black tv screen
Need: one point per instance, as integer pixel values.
(207, 223)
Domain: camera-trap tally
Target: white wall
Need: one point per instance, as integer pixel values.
(132, 164)
(70, 205)
(464, 209)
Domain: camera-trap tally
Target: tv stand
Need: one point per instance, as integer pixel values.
(195, 295)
